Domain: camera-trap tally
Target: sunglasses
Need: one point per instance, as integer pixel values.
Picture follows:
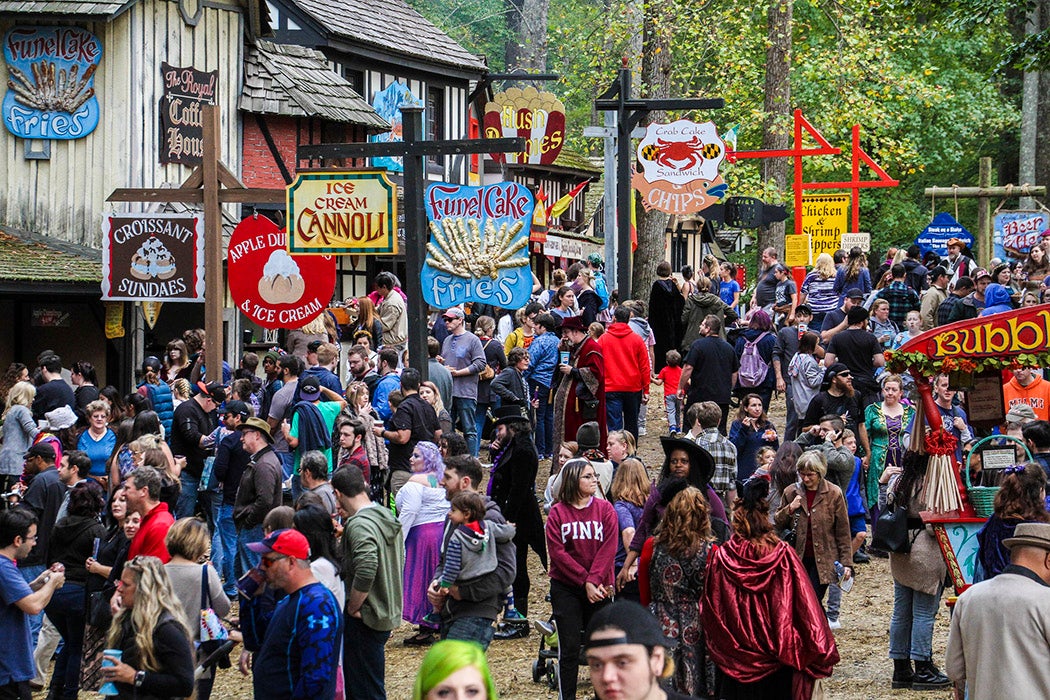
(450, 318)
(267, 562)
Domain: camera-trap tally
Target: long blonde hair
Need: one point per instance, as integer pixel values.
(631, 483)
(438, 404)
(154, 597)
(825, 265)
(21, 394)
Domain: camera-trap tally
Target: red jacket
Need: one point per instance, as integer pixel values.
(149, 540)
(626, 360)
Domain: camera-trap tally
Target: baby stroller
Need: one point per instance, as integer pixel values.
(546, 664)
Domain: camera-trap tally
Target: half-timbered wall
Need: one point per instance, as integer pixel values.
(64, 195)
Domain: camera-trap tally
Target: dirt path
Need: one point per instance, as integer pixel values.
(863, 674)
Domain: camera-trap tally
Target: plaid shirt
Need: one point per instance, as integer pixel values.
(724, 454)
(902, 299)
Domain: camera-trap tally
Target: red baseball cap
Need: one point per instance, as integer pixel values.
(290, 543)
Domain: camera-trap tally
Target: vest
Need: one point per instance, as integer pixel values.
(160, 399)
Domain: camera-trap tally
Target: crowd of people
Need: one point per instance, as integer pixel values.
(325, 494)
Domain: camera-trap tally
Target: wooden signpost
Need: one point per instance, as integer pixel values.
(413, 149)
(212, 185)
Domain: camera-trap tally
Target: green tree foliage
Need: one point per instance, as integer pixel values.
(923, 88)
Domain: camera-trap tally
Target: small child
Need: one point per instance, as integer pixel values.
(471, 549)
(669, 378)
(567, 451)
(765, 458)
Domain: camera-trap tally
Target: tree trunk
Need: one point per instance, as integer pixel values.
(656, 83)
(527, 46)
(777, 126)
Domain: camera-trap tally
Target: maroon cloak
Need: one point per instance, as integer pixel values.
(568, 414)
(760, 613)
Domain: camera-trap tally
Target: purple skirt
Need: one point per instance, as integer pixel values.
(422, 556)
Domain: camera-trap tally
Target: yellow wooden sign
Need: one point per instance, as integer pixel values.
(825, 217)
(342, 212)
(796, 251)
(114, 319)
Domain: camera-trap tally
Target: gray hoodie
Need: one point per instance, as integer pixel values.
(477, 550)
(483, 596)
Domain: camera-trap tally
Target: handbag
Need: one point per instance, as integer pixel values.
(790, 534)
(99, 615)
(890, 533)
(488, 372)
(212, 632)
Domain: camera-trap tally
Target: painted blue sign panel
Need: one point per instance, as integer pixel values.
(479, 245)
(51, 84)
(388, 103)
(1015, 232)
(935, 236)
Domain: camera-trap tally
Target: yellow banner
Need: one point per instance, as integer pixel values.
(114, 319)
(825, 217)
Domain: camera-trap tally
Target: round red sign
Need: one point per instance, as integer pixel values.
(270, 286)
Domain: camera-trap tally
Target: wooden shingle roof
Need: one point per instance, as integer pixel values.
(65, 7)
(296, 81)
(36, 261)
(392, 25)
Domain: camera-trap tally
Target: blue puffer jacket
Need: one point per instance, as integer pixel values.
(160, 399)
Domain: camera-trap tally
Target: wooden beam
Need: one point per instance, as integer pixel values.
(253, 195)
(400, 149)
(215, 287)
(228, 179)
(169, 194)
(195, 180)
(986, 191)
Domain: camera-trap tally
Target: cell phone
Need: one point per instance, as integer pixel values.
(95, 547)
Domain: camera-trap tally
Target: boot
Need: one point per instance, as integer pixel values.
(929, 677)
(902, 674)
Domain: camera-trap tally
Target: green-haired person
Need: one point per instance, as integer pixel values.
(454, 669)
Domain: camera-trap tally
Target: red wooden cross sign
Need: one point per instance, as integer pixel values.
(798, 152)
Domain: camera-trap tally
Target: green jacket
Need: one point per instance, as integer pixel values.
(373, 562)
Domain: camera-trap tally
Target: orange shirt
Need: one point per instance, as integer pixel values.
(1036, 395)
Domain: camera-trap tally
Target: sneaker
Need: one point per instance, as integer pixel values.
(511, 631)
(514, 615)
(421, 639)
(543, 627)
(834, 624)
(432, 618)
(859, 557)
(674, 429)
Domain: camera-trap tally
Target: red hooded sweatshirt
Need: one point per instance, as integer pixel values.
(626, 360)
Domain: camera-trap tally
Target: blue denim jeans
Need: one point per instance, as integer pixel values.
(621, 410)
(187, 503)
(469, 629)
(673, 406)
(834, 601)
(481, 415)
(226, 536)
(463, 413)
(246, 558)
(66, 612)
(911, 625)
(35, 621)
(544, 419)
(364, 660)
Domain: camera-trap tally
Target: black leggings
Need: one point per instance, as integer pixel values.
(522, 584)
(572, 612)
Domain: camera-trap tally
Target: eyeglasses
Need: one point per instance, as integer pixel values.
(588, 477)
(267, 562)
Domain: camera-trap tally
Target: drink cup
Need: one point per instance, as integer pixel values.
(251, 583)
(563, 357)
(109, 688)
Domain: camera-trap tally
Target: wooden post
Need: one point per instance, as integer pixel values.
(984, 209)
(215, 289)
(415, 239)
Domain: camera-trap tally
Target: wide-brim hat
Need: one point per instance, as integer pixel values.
(1030, 535)
(258, 424)
(510, 414)
(573, 323)
(699, 458)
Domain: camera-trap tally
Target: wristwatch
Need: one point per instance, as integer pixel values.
(140, 677)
